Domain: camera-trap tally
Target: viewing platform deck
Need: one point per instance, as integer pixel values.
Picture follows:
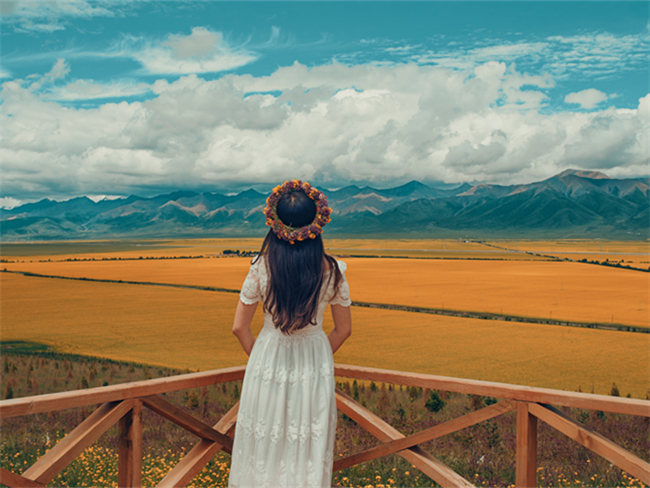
(123, 404)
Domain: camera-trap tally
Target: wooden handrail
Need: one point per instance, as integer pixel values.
(81, 398)
(123, 403)
(587, 401)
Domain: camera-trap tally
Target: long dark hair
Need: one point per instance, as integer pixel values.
(297, 271)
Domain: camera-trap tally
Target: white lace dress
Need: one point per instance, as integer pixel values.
(287, 412)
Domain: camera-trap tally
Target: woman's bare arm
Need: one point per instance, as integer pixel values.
(342, 326)
(242, 325)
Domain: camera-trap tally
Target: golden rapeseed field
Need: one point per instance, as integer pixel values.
(547, 289)
(191, 329)
(185, 328)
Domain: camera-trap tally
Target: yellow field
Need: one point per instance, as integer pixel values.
(576, 246)
(191, 329)
(558, 290)
(441, 248)
(145, 324)
(634, 260)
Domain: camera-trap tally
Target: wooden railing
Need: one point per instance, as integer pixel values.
(123, 404)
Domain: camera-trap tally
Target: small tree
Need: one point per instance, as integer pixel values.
(615, 391)
(434, 403)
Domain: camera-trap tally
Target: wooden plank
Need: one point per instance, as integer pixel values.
(426, 435)
(526, 454)
(419, 458)
(602, 446)
(79, 398)
(14, 480)
(59, 401)
(587, 401)
(129, 472)
(68, 448)
(200, 455)
(185, 420)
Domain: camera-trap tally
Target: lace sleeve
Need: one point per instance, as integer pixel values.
(251, 289)
(342, 295)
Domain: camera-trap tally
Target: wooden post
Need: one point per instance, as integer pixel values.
(130, 448)
(526, 447)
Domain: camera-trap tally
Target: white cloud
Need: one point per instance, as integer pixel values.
(58, 71)
(9, 202)
(332, 124)
(4, 74)
(201, 43)
(47, 17)
(48, 89)
(587, 99)
(90, 90)
(202, 51)
(589, 56)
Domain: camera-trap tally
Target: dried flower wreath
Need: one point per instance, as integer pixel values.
(293, 234)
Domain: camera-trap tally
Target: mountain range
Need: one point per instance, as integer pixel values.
(572, 204)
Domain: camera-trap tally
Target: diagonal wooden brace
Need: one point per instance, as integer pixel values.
(200, 455)
(426, 435)
(14, 480)
(68, 448)
(592, 440)
(417, 456)
(185, 420)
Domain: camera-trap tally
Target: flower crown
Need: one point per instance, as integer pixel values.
(293, 234)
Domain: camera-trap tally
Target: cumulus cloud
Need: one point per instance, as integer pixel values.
(202, 51)
(587, 99)
(8, 202)
(331, 124)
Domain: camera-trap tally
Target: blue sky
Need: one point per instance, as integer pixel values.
(114, 98)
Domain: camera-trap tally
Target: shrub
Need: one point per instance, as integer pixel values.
(434, 403)
(414, 392)
(193, 400)
(355, 390)
(615, 391)
(476, 401)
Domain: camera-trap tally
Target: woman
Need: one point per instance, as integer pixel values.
(287, 414)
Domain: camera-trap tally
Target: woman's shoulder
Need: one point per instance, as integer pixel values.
(258, 264)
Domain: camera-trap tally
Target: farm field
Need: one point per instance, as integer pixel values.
(453, 249)
(558, 290)
(572, 246)
(190, 329)
(635, 260)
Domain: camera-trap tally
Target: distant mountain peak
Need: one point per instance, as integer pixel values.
(414, 185)
(594, 175)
